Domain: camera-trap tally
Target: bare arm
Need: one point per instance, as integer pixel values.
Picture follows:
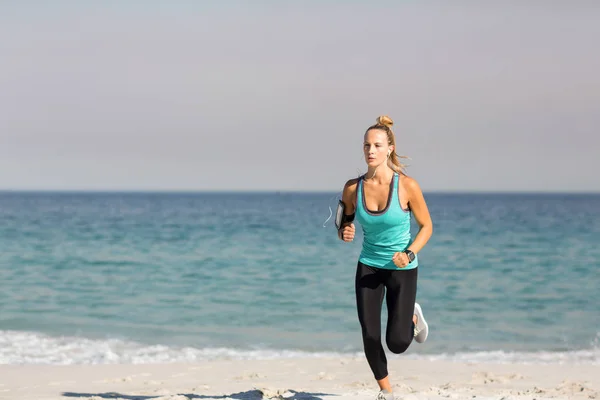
(346, 232)
(348, 196)
(419, 209)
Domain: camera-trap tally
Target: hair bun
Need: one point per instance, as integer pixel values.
(385, 120)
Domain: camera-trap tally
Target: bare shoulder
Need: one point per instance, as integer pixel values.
(351, 185)
(349, 194)
(416, 201)
(412, 188)
(410, 183)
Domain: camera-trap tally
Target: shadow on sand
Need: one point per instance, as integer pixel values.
(248, 395)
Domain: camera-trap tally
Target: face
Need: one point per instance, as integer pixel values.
(376, 148)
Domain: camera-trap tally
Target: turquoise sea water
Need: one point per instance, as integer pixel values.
(159, 277)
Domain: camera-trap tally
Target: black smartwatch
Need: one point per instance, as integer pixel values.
(410, 255)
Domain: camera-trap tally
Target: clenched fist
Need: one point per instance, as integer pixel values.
(400, 259)
(347, 233)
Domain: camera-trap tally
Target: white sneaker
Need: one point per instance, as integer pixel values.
(422, 329)
(385, 395)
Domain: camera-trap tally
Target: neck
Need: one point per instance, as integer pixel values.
(380, 174)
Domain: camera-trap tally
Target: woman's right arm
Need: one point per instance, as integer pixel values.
(346, 232)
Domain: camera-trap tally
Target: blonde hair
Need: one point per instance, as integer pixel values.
(385, 124)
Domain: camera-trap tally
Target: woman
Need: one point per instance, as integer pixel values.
(382, 201)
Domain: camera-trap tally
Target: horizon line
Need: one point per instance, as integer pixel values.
(278, 191)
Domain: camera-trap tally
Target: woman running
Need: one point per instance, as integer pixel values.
(382, 201)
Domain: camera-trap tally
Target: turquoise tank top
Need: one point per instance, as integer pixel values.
(385, 232)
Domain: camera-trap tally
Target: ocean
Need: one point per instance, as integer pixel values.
(88, 278)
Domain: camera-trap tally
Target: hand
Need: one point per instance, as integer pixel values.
(347, 233)
(400, 259)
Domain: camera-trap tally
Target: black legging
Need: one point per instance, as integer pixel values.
(401, 291)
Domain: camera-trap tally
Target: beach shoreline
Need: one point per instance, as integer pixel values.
(298, 378)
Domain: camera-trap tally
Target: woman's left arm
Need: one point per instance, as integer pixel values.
(418, 206)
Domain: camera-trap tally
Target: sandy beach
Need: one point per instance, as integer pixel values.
(298, 378)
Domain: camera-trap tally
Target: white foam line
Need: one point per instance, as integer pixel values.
(36, 348)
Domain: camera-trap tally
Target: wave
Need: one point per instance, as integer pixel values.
(17, 347)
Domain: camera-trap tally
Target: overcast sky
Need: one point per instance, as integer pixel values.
(224, 95)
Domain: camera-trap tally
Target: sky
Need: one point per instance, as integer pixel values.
(228, 95)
